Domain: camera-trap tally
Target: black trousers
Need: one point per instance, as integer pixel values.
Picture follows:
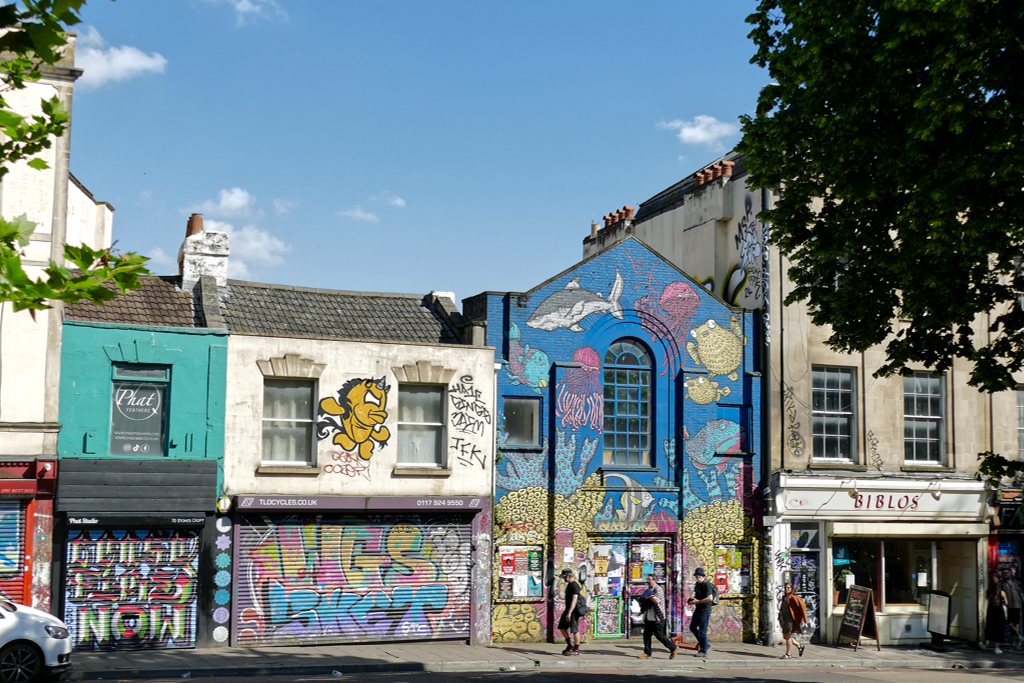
(658, 630)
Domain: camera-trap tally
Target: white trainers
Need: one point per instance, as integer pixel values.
(997, 651)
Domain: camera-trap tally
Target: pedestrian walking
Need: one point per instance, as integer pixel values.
(569, 624)
(995, 614)
(1011, 588)
(655, 624)
(792, 613)
(703, 596)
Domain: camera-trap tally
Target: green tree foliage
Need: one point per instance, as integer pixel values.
(32, 35)
(895, 130)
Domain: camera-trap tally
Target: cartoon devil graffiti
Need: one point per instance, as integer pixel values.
(356, 417)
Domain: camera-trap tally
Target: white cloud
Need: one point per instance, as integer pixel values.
(250, 246)
(357, 214)
(703, 130)
(159, 257)
(385, 196)
(102, 66)
(233, 202)
(282, 206)
(253, 10)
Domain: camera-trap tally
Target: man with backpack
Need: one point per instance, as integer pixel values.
(704, 597)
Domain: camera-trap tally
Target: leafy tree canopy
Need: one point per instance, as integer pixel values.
(32, 35)
(895, 129)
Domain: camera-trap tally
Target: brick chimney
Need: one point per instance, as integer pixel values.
(202, 253)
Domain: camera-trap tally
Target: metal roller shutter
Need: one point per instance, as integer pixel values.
(344, 579)
(12, 550)
(131, 589)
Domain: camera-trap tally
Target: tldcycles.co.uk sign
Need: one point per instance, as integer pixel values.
(137, 419)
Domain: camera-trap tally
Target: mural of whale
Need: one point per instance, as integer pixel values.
(566, 308)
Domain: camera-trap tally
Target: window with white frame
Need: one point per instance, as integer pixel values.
(923, 417)
(421, 422)
(289, 415)
(833, 393)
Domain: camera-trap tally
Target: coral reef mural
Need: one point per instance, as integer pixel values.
(575, 502)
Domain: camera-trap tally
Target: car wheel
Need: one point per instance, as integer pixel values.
(20, 663)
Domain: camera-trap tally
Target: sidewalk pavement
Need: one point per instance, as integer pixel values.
(318, 660)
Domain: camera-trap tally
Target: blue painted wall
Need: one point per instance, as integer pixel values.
(702, 487)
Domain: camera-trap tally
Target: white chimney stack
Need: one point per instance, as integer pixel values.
(202, 253)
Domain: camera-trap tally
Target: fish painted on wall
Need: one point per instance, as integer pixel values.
(703, 391)
(356, 417)
(569, 306)
(716, 439)
(527, 367)
(718, 349)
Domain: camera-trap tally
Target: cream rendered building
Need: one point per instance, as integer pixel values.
(872, 480)
(64, 213)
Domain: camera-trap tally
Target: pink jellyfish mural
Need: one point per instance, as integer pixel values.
(672, 316)
(579, 394)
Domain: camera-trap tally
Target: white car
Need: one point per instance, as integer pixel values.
(34, 645)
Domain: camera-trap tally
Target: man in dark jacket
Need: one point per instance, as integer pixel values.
(653, 605)
(703, 595)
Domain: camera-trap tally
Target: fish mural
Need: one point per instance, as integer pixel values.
(717, 438)
(526, 367)
(703, 391)
(568, 307)
(718, 349)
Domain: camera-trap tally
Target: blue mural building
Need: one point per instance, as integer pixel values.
(629, 444)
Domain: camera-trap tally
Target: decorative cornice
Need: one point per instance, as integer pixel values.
(291, 366)
(423, 371)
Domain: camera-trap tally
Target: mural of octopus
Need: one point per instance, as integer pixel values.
(526, 366)
(703, 391)
(718, 349)
(579, 395)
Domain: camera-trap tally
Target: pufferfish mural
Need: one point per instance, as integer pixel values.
(718, 349)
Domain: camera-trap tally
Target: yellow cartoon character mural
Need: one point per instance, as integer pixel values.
(356, 417)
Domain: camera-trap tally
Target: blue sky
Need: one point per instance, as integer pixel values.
(399, 146)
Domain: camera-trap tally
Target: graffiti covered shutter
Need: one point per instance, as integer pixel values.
(332, 579)
(12, 550)
(131, 589)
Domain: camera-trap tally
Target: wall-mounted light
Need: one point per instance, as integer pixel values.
(223, 505)
(854, 492)
(937, 493)
(47, 467)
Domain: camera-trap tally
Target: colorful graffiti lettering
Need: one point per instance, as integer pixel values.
(469, 408)
(718, 349)
(315, 580)
(568, 307)
(356, 417)
(579, 396)
(131, 589)
(527, 367)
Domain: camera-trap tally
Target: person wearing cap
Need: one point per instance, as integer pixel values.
(703, 595)
(569, 624)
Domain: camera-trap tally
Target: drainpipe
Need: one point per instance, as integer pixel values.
(766, 426)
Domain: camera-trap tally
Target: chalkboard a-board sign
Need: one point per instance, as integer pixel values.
(859, 617)
(938, 614)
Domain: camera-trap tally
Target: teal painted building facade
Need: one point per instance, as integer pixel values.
(136, 561)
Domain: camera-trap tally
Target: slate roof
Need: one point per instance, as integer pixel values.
(157, 302)
(281, 310)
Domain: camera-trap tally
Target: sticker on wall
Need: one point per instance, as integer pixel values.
(356, 417)
(718, 349)
(568, 307)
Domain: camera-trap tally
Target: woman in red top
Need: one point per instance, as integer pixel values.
(792, 613)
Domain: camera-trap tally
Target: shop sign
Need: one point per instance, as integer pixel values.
(851, 499)
(17, 487)
(358, 503)
(137, 419)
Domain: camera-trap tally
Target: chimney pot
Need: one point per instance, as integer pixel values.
(629, 212)
(594, 227)
(195, 225)
(727, 168)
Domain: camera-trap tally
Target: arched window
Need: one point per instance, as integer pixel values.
(627, 404)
